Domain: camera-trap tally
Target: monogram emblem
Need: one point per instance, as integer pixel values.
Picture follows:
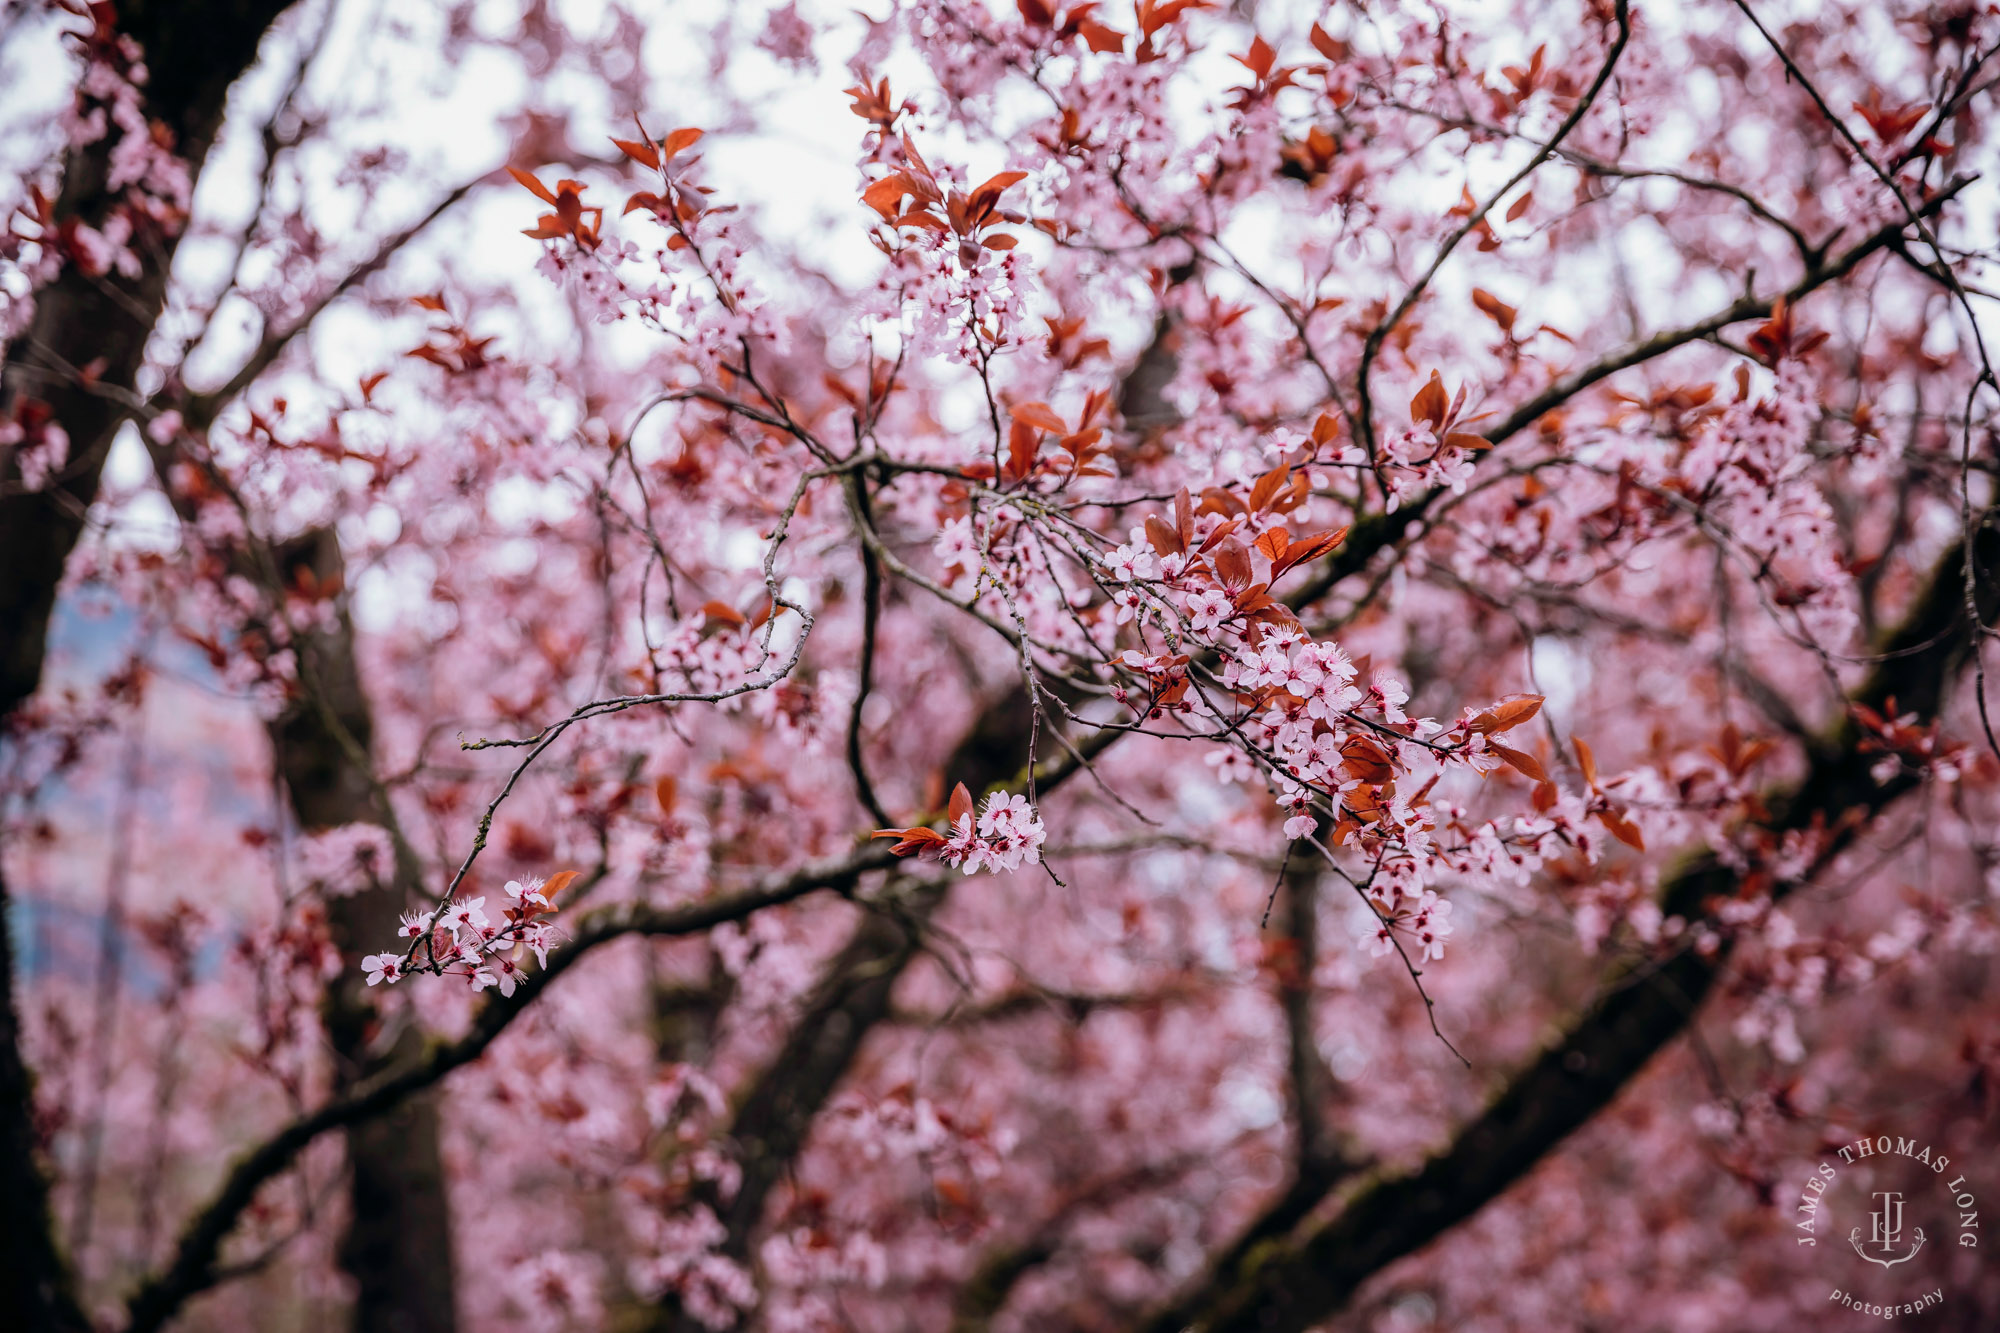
(1885, 1232)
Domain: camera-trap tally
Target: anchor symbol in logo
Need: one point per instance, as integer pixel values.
(1886, 1230)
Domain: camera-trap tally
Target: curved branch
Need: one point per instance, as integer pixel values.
(1376, 533)
(1745, 308)
(193, 1268)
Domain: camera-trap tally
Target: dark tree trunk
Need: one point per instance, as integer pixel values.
(398, 1246)
(34, 1280)
(774, 1115)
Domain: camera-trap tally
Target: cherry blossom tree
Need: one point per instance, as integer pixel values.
(1095, 665)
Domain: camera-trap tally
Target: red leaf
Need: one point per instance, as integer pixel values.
(1023, 443)
(1520, 760)
(1507, 714)
(1231, 560)
(997, 183)
(1622, 829)
(1889, 123)
(541, 190)
(677, 141)
(961, 805)
(1499, 311)
(1041, 416)
(1431, 403)
(913, 840)
(1099, 38)
(1080, 443)
(1260, 58)
(885, 195)
(1307, 548)
(1585, 760)
(642, 153)
(1267, 486)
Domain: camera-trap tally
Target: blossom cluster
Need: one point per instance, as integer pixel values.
(1009, 835)
(1351, 770)
(457, 938)
(1425, 917)
(1005, 836)
(690, 286)
(999, 559)
(683, 1255)
(1754, 474)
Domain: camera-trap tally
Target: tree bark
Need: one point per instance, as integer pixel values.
(34, 1279)
(398, 1245)
(774, 1116)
